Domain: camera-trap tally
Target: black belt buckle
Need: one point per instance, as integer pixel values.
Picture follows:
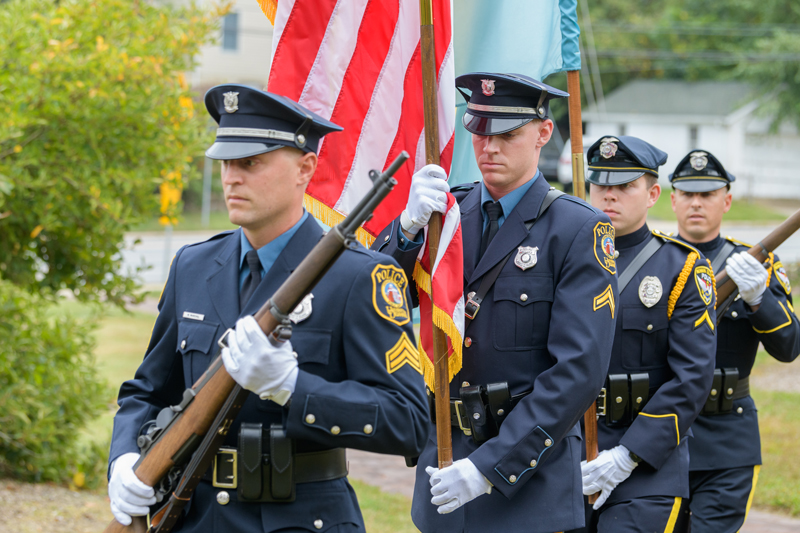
(224, 470)
(730, 379)
(472, 306)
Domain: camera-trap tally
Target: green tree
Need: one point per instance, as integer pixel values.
(97, 116)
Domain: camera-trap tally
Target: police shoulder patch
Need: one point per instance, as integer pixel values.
(782, 277)
(604, 246)
(403, 353)
(704, 279)
(389, 294)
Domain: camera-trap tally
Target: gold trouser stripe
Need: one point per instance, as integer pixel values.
(673, 516)
(756, 469)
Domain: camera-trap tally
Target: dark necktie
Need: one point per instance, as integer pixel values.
(252, 280)
(493, 211)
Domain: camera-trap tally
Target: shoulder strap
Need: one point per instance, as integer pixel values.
(474, 299)
(638, 262)
(723, 254)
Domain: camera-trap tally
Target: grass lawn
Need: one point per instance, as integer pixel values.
(741, 211)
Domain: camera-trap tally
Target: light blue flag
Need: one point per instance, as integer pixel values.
(531, 37)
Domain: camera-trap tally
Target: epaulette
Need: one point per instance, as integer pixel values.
(464, 186)
(212, 238)
(676, 241)
(576, 200)
(736, 242)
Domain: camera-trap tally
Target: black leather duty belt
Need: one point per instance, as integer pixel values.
(726, 387)
(271, 477)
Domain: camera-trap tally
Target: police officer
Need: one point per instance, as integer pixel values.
(332, 386)
(726, 450)
(540, 297)
(662, 361)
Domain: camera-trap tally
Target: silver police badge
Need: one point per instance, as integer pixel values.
(302, 311)
(607, 147)
(231, 102)
(650, 291)
(698, 160)
(526, 257)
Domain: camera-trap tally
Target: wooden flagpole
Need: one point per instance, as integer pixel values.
(579, 189)
(444, 437)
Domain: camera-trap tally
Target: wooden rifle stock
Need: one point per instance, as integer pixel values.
(725, 285)
(193, 418)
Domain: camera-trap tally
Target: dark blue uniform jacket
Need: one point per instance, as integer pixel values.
(547, 329)
(732, 440)
(674, 342)
(343, 380)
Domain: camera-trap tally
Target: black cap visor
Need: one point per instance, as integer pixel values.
(608, 178)
(492, 126)
(699, 184)
(239, 150)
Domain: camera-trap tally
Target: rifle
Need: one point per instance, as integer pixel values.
(726, 288)
(180, 447)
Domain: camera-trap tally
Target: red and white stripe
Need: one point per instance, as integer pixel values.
(357, 63)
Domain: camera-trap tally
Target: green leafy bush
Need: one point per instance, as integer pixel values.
(49, 389)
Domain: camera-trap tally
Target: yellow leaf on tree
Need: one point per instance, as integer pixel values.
(36, 231)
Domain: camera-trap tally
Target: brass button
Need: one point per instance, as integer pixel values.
(318, 523)
(618, 399)
(335, 430)
(223, 498)
(730, 391)
(713, 392)
(548, 442)
(468, 342)
(649, 327)
(523, 297)
(465, 383)
(294, 354)
(533, 463)
(734, 314)
(500, 412)
(183, 344)
(512, 479)
(639, 399)
(310, 419)
(368, 429)
(740, 410)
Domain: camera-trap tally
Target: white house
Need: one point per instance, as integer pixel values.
(721, 117)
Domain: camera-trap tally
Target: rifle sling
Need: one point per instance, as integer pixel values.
(638, 262)
(490, 277)
(200, 463)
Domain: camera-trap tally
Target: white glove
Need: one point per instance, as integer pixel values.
(128, 494)
(259, 365)
(749, 275)
(428, 194)
(456, 485)
(602, 475)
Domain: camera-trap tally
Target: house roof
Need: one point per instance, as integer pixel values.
(677, 97)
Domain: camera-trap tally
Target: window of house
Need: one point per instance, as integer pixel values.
(230, 32)
(692, 137)
(622, 129)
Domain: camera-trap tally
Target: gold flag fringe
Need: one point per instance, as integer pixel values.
(331, 217)
(269, 7)
(444, 322)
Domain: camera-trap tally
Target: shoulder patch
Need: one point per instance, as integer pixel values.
(737, 242)
(403, 353)
(604, 246)
(668, 238)
(782, 277)
(389, 294)
(704, 279)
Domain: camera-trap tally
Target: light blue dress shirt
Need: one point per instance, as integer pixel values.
(268, 253)
(507, 202)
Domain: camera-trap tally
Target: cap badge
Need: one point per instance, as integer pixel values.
(302, 311)
(231, 102)
(698, 160)
(526, 257)
(607, 147)
(487, 86)
(650, 291)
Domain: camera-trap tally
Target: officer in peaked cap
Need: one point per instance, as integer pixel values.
(350, 377)
(725, 453)
(662, 359)
(540, 296)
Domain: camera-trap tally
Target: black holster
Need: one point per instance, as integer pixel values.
(265, 477)
(623, 398)
(723, 387)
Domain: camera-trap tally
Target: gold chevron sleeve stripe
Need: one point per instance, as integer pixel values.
(705, 317)
(403, 353)
(606, 298)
